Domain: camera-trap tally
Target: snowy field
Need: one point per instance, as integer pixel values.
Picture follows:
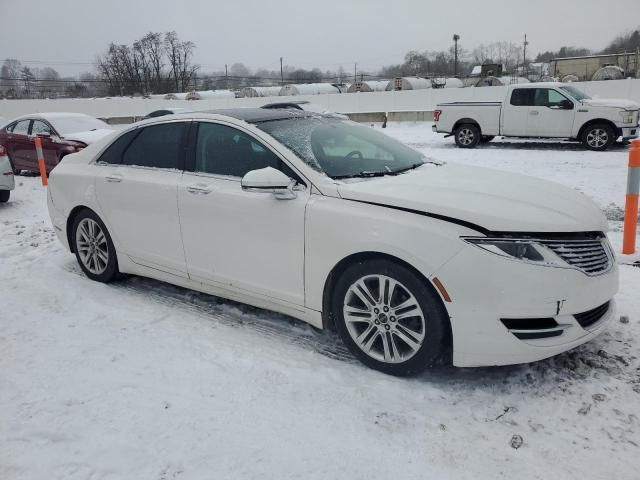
(142, 380)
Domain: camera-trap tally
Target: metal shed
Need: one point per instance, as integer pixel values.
(272, 91)
(308, 89)
(368, 86)
(408, 83)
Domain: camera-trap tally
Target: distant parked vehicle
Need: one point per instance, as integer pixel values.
(60, 133)
(166, 111)
(7, 182)
(541, 110)
(303, 105)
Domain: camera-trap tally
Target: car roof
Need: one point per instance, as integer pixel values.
(258, 115)
(539, 84)
(50, 116)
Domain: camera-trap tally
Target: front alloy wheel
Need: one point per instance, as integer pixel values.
(390, 317)
(384, 318)
(598, 137)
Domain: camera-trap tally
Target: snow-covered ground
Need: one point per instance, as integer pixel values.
(142, 380)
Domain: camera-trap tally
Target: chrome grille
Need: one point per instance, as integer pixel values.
(590, 255)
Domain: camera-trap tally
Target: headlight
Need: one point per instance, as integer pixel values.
(519, 249)
(627, 116)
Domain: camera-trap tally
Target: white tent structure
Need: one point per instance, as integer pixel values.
(308, 89)
(273, 91)
(203, 94)
(175, 96)
(442, 82)
(408, 83)
(368, 86)
(610, 72)
(500, 81)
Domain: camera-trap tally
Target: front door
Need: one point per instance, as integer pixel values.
(48, 138)
(549, 117)
(249, 242)
(136, 187)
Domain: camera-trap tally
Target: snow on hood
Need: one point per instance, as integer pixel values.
(495, 200)
(88, 137)
(612, 102)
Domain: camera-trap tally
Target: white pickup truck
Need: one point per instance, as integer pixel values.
(541, 110)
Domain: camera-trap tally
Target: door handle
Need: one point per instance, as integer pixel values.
(533, 112)
(199, 189)
(115, 178)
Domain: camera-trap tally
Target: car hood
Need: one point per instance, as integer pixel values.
(494, 200)
(88, 137)
(612, 102)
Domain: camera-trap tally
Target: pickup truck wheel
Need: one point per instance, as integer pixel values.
(467, 135)
(486, 138)
(598, 137)
(4, 195)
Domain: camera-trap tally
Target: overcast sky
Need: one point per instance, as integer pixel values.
(322, 33)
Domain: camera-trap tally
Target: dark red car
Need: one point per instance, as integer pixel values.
(60, 134)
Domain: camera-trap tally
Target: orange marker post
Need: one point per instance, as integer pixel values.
(631, 203)
(41, 165)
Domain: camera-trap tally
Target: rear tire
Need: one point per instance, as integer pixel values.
(598, 137)
(94, 248)
(467, 135)
(395, 322)
(4, 196)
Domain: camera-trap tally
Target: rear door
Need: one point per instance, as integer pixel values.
(136, 186)
(21, 149)
(47, 134)
(548, 117)
(515, 112)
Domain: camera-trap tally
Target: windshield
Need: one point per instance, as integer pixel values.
(575, 93)
(341, 148)
(73, 124)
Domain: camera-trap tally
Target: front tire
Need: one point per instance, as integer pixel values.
(4, 196)
(389, 317)
(467, 135)
(598, 137)
(94, 248)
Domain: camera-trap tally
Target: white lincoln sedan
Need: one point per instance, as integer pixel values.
(414, 262)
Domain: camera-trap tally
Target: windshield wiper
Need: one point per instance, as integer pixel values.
(406, 169)
(363, 174)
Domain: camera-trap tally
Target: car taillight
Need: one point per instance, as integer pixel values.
(436, 115)
(3, 151)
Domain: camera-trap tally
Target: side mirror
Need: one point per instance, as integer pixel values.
(566, 104)
(269, 180)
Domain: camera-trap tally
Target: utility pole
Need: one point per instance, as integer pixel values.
(355, 72)
(524, 56)
(456, 37)
(226, 77)
(281, 73)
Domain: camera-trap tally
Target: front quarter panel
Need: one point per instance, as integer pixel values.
(337, 228)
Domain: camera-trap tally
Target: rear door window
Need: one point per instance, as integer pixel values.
(113, 154)
(157, 146)
(522, 97)
(40, 127)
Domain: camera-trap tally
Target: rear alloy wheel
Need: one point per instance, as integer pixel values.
(598, 137)
(4, 196)
(389, 318)
(93, 247)
(467, 135)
